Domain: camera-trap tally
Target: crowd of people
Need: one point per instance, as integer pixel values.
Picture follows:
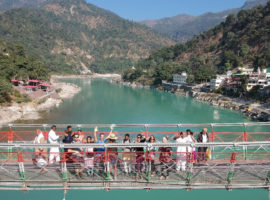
(133, 159)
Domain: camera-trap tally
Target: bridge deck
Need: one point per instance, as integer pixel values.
(208, 175)
(240, 159)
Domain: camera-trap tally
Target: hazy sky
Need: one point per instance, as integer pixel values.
(155, 9)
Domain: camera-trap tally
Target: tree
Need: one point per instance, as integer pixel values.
(5, 89)
(230, 19)
(244, 50)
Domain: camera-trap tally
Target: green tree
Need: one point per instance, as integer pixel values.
(5, 89)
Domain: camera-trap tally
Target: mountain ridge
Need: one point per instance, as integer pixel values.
(181, 29)
(242, 40)
(76, 36)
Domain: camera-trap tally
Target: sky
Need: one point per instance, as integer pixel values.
(137, 10)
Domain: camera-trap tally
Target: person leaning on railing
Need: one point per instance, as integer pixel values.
(113, 155)
(165, 159)
(89, 157)
(77, 157)
(150, 156)
(127, 155)
(203, 137)
(139, 156)
(68, 136)
(39, 139)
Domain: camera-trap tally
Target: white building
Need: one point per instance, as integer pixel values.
(261, 82)
(180, 79)
(245, 71)
(267, 72)
(251, 83)
(215, 83)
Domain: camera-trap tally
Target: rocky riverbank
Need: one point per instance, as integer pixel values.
(31, 110)
(250, 109)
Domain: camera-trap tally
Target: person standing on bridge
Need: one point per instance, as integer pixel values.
(77, 157)
(191, 150)
(126, 155)
(203, 137)
(113, 156)
(150, 156)
(165, 159)
(54, 151)
(68, 136)
(39, 139)
(101, 150)
(81, 136)
(181, 153)
(139, 157)
(89, 158)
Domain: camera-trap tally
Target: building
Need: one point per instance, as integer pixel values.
(45, 87)
(218, 81)
(267, 72)
(245, 71)
(33, 82)
(215, 83)
(251, 83)
(180, 79)
(15, 82)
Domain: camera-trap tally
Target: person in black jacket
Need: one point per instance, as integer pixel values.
(68, 139)
(203, 137)
(139, 151)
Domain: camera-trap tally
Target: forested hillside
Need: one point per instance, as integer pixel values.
(11, 4)
(242, 40)
(73, 36)
(183, 27)
(16, 63)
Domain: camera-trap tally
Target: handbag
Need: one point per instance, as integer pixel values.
(208, 153)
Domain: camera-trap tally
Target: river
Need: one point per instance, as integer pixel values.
(100, 102)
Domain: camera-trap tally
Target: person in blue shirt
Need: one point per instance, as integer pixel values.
(101, 150)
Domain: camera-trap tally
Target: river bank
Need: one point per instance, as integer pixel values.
(115, 76)
(32, 110)
(250, 109)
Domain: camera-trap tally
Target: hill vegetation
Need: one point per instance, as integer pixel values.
(11, 4)
(16, 63)
(183, 27)
(242, 40)
(71, 36)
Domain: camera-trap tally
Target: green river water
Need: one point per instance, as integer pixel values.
(100, 102)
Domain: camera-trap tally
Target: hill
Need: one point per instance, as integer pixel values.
(183, 27)
(11, 4)
(74, 36)
(242, 40)
(16, 63)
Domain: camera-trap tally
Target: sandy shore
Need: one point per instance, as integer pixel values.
(31, 110)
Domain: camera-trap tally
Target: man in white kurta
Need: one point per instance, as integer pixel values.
(181, 153)
(54, 151)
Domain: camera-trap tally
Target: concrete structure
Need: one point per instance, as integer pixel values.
(215, 83)
(245, 71)
(267, 72)
(261, 81)
(180, 79)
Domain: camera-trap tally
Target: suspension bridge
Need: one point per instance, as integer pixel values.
(240, 158)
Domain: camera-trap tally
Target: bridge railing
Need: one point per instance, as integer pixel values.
(160, 168)
(223, 132)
